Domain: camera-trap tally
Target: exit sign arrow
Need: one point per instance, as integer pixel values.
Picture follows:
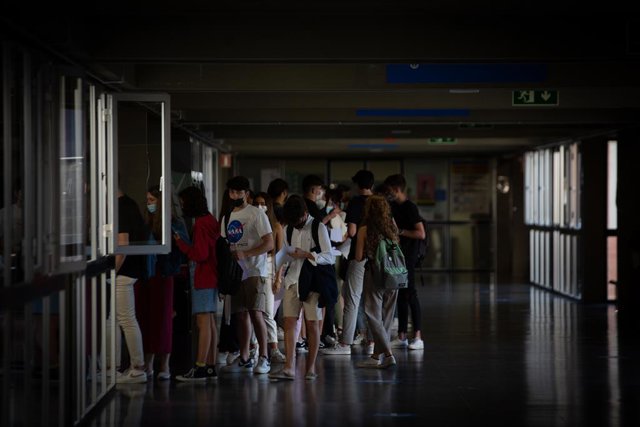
(535, 98)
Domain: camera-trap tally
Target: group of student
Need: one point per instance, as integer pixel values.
(257, 227)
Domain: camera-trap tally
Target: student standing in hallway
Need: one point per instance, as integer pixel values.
(247, 228)
(407, 218)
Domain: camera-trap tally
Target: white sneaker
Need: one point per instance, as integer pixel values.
(370, 363)
(132, 376)
(232, 356)
(359, 339)
(416, 344)
(338, 349)
(369, 349)
(164, 375)
(398, 343)
(277, 356)
(253, 355)
(263, 366)
(280, 334)
(222, 357)
(387, 361)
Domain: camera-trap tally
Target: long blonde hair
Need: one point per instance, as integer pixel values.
(379, 222)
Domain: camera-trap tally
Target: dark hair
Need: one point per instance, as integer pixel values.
(194, 203)
(238, 183)
(294, 208)
(225, 206)
(364, 179)
(396, 181)
(154, 220)
(310, 181)
(277, 187)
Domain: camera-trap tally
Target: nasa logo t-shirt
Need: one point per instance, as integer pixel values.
(244, 231)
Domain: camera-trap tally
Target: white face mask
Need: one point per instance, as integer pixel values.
(263, 208)
(321, 203)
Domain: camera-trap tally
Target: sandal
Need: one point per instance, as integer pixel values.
(281, 375)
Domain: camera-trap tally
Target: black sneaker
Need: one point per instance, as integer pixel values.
(196, 374)
(211, 372)
(302, 346)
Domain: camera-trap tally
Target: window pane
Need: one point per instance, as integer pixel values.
(72, 170)
(612, 185)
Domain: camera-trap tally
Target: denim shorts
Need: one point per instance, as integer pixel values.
(204, 300)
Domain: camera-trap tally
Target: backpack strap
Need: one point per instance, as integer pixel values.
(314, 233)
(289, 234)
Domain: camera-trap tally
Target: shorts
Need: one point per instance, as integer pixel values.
(291, 304)
(204, 300)
(252, 295)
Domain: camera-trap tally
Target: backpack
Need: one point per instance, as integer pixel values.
(229, 271)
(423, 244)
(389, 266)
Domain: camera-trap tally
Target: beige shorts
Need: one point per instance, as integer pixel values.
(291, 304)
(252, 295)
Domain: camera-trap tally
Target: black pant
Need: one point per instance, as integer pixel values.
(408, 298)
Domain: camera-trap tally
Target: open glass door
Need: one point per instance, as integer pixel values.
(138, 143)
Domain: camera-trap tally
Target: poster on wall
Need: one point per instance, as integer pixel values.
(470, 189)
(426, 189)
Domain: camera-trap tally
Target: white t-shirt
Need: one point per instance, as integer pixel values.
(245, 229)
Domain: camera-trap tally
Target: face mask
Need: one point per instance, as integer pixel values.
(263, 208)
(329, 209)
(236, 203)
(321, 203)
(152, 208)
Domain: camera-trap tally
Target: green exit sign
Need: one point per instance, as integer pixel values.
(535, 97)
(442, 141)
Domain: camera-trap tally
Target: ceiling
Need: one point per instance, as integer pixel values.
(321, 80)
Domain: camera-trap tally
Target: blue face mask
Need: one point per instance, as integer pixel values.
(152, 208)
(329, 208)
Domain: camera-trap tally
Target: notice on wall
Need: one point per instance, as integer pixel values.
(470, 189)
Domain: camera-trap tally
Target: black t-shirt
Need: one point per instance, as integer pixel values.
(355, 213)
(130, 221)
(406, 216)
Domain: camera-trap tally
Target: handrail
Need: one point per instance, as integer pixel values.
(41, 286)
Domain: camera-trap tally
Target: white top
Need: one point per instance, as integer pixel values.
(303, 239)
(245, 229)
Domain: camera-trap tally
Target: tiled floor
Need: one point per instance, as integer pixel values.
(495, 355)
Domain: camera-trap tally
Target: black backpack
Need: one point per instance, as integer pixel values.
(229, 271)
(423, 244)
(320, 278)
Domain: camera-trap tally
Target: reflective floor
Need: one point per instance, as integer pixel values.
(498, 355)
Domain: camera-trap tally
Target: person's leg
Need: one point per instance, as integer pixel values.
(126, 317)
(373, 297)
(290, 345)
(204, 337)
(243, 329)
(313, 315)
(352, 295)
(414, 303)
(212, 353)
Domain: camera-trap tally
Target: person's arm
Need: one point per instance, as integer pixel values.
(198, 251)
(325, 257)
(352, 228)
(266, 245)
(123, 240)
(417, 233)
(279, 237)
(362, 236)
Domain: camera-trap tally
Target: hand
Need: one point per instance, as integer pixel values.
(276, 286)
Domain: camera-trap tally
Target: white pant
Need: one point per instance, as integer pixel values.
(271, 307)
(126, 318)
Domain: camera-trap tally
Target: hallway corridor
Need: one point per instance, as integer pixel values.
(498, 355)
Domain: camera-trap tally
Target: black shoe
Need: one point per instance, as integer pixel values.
(211, 372)
(196, 374)
(302, 346)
